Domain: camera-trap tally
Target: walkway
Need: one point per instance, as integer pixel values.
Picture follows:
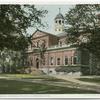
(75, 79)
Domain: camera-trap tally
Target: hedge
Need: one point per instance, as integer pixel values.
(85, 70)
(68, 69)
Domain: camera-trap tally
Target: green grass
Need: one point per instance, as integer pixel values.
(30, 76)
(25, 76)
(19, 87)
(93, 80)
(19, 75)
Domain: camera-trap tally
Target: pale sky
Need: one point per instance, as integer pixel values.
(53, 10)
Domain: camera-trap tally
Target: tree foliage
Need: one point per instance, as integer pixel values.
(14, 20)
(85, 20)
(10, 60)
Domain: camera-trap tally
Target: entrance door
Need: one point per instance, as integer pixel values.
(37, 63)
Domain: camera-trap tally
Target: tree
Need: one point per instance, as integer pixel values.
(10, 60)
(41, 50)
(14, 20)
(83, 20)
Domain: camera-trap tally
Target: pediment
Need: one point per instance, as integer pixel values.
(38, 34)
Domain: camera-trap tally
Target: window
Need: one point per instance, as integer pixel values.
(60, 43)
(58, 61)
(43, 61)
(43, 43)
(51, 60)
(71, 60)
(28, 63)
(37, 43)
(31, 63)
(75, 60)
(60, 22)
(56, 21)
(66, 60)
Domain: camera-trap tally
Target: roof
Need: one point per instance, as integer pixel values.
(43, 32)
(57, 35)
(59, 16)
(62, 34)
(98, 16)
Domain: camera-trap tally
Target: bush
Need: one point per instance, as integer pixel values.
(68, 69)
(85, 70)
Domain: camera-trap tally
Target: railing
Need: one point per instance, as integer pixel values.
(32, 49)
(60, 46)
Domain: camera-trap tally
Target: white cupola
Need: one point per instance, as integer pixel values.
(59, 23)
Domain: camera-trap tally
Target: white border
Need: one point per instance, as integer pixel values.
(48, 2)
(78, 96)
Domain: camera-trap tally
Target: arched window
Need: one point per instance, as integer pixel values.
(60, 43)
(51, 60)
(66, 60)
(55, 21)
(58, 61)
(60, 22)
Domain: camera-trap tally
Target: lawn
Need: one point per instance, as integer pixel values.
(19, 87)
(93, 80)
(30, 76)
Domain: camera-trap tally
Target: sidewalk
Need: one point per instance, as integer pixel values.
(75, 79)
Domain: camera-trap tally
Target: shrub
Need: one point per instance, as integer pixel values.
(85, 70)
(68, 69)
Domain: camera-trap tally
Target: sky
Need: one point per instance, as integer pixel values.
(53, 10)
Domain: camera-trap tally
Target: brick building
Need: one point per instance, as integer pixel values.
(50, 50)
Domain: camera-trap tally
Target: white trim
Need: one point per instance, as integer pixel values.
(29, 96)
(67, 49)
(53, 2)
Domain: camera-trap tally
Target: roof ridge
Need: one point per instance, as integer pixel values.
(43, 32)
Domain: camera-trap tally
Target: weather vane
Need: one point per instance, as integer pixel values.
(59, 10)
